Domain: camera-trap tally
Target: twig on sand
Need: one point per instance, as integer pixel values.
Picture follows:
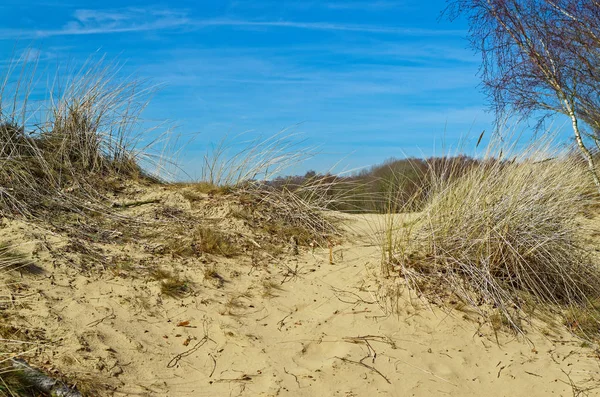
(135, 203)
(290, 274)
(281, 322)
(214, 365)
(366, 366)
(294, 375)
(500, 370)
(243, 378)
(111, 316)
(349, 297)
(577, 390)
(532, 374)
(426, 371)
(175, 360)
(373, 338)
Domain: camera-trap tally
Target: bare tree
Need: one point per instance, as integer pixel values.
(541, 56)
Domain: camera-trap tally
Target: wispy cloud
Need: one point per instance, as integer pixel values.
(129, 20)
(278, 77)
(332, 27)
(315, 4)
(30, 55)
(118, 21)
(361, 5)
(89, 22)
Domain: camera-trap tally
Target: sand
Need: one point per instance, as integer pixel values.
(274, 326)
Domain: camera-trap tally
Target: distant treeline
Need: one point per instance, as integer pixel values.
(395, 185)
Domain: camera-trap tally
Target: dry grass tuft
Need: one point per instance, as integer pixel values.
(11, 259)
(171, 285)
(186, 240)
(211, 274)
(63, 153)
(246, 170)
(175, 287)
(233, 162)
(271, 288)
(584, 321)
(506, 229)
(302, 213)
(211, 241)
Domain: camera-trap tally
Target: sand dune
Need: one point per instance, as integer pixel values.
(261, 325)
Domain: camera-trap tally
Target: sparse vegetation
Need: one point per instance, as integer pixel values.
(408, 181)
(174, 287)
(231, 164)
(210, 241)
(187, 240)
(302, 213)
(211, 274)
(11, 259)
(196, 191)
(584, 321)
(271, 288)
(171, 284)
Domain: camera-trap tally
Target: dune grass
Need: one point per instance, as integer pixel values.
(236, 160)
(211, 241)
(302, 212)
(505, 232)
(63, 146)
(61, 152)
(246, 170)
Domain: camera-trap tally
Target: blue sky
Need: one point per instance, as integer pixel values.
(363, 80)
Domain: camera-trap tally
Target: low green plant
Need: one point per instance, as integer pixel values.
(584, 321)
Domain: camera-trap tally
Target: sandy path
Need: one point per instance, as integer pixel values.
(318, 332)
(311, 338)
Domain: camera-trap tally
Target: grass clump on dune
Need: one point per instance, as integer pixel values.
(61, 152)
(301, 212)
(211, 241)
(250, 172)
(505, 232)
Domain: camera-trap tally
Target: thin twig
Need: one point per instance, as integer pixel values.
(366, 366)
(281, 322)
(111, 316)
(294, 375)
(214, 365)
